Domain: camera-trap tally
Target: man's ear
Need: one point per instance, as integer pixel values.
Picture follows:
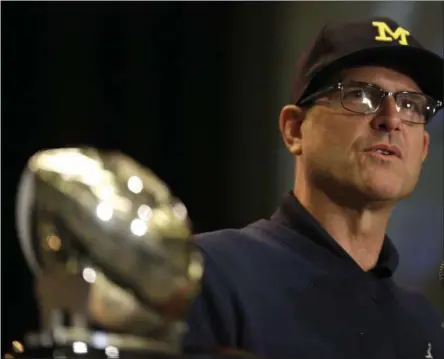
(425, 150)
(290, 122)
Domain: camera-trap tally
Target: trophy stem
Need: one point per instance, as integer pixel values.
(66, 330)
(63, 300)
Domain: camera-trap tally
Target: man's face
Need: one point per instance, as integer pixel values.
(334, 142)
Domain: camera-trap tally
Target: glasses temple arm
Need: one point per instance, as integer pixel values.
(318, 94)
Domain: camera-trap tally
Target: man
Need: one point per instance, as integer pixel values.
(315, 280)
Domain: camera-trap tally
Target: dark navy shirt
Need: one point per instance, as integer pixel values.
(284, 288)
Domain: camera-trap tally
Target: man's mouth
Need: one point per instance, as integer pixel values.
(386, 150)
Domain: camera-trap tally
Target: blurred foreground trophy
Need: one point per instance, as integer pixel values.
(115, 268)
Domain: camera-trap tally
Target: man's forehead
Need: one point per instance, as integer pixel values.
(387, 78)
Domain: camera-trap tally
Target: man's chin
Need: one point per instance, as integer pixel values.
(386, 191)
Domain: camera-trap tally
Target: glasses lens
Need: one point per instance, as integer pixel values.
(413, 107)
(361, 99)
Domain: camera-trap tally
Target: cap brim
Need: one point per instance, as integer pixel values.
(425, 67)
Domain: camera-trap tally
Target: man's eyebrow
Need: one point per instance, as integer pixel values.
(375, 83)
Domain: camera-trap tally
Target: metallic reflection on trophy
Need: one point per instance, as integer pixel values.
(110, 248)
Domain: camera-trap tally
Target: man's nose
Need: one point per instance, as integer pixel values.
(387, 118)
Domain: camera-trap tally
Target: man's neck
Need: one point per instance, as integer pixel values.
(360, 232)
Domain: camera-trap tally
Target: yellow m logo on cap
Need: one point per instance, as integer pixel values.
(386, 34)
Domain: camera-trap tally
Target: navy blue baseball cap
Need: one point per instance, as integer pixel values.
(378, 41)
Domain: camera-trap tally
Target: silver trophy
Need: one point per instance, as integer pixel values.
(111, 251)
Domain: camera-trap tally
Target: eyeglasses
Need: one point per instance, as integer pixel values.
(366, 98)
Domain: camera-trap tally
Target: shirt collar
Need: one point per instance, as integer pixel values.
(292, 214)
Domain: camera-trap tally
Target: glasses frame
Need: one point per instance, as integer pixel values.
(435, 105)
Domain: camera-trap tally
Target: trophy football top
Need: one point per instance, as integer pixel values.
(109, 246)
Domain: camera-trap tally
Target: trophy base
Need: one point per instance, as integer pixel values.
(60, 344)
(70, 353)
